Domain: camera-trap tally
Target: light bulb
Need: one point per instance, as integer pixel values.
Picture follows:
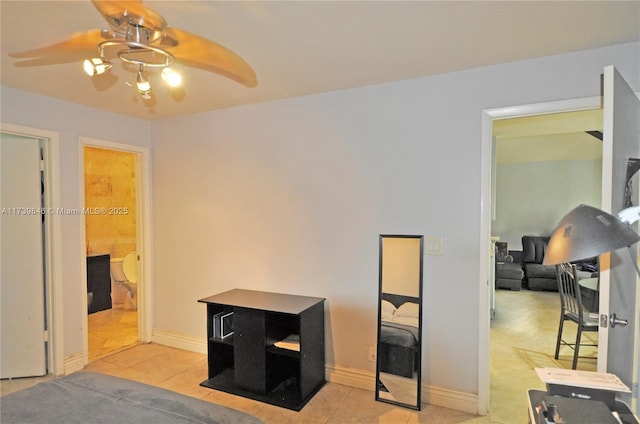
(96, 66)
(171, 77)
(89, 68)
(142, 84)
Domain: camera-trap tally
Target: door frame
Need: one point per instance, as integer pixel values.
(143, 236)
(486, 206)
(53, 301)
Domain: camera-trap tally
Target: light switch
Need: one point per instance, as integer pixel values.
(434, 245)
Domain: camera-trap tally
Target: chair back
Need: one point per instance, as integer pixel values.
(569, 290)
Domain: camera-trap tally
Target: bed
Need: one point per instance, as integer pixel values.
(399, 334)
(88, 397)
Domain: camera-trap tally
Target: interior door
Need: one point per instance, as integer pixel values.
(22, 320)
(618, 345)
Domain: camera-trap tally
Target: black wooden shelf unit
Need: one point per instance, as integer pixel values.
(248, 363)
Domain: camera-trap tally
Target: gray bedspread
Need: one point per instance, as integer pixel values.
(398, 334)
(87, 397)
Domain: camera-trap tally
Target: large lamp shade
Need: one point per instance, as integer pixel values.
(586, 232)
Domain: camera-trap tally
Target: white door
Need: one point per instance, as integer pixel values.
(22, 320)
(618, 345)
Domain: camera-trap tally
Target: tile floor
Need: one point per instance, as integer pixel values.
(522, 337)
(112, 330)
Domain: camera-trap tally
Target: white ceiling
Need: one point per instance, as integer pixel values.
(304, 47)
(551, 137)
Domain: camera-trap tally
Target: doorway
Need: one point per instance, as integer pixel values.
(110, 222)
(114, 191)
(486, 214)
(545, 166)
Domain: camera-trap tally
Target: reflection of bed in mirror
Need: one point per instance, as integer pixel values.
(399, 335)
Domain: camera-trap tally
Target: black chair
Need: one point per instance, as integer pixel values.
(572, 310)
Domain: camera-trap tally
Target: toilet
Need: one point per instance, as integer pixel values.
(124, 281)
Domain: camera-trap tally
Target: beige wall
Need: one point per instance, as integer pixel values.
(110, 193)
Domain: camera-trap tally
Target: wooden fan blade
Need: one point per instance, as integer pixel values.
(207, 55)
(78, 47)
(133, 11)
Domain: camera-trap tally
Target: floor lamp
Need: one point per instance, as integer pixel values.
(586, 232)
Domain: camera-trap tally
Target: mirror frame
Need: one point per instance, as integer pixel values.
(418, 366)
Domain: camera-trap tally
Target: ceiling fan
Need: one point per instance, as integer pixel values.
(140, 37)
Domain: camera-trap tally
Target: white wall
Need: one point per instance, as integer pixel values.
(71, 121)
(291, 195)
(532, 197)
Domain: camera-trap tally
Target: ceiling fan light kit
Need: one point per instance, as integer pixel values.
(135, 53)
(139, 36)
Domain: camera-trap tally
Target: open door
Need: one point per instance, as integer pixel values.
(618, 344)
(22, 300)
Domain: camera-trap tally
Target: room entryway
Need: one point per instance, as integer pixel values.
(115, 181)
(110, 222)
(620, 118)
(551, 155)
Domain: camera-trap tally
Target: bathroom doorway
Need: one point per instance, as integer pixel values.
(111, 229)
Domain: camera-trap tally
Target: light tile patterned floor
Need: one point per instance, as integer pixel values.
(111, 330)
(522, 337)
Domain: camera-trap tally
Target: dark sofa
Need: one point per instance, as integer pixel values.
(541, 277)
(536, 275)
(509, 274)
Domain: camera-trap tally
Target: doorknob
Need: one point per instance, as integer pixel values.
(614, 320)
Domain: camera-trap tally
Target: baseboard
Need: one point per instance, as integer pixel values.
(350, 377)
(168, 338)
(73, 363)
(452, 399)
(361, 379)
(432, 395)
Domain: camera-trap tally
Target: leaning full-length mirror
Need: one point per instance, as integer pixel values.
(398, 368)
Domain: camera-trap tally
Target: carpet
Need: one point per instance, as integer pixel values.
(87, 397)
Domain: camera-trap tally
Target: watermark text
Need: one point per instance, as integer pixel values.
(66, 211)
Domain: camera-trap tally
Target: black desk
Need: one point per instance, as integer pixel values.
(535, 397)
(249, 363)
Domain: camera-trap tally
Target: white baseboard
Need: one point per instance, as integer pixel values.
(350, 377)
(439, 396)
(452, 399)
(361, 379)
(73, 363)
(168, 338)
